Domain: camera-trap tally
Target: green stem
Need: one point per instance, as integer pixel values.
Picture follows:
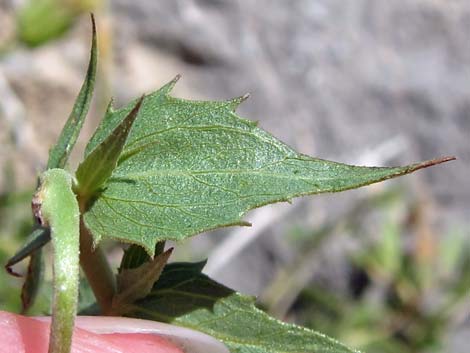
(56, 206)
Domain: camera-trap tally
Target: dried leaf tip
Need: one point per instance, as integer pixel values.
(110, 108)
(176, 79)
(432, 162)
(170, 85)
(93, 24)
(12, 272)
(244, 97)
(235, 102)
(138, 104)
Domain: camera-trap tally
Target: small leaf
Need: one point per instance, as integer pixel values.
(36, 240)
(32, 248)
(59, 154)
(135, 255)
(136, 283)
(32, 281)
(97, 167)
(191, 166)
(58, 157)
(186, 297)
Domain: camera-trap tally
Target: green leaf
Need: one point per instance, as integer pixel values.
(100, 163)
(135, 255)
(33, 281)
(192, 166)
(186, 297)
(136, 283)
(59, 154)
(35, 241)
(34, 275)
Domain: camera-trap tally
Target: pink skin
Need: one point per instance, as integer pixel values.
(21, 334)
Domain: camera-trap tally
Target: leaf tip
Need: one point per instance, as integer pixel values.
(94, 50)
(174, 81)
(110, 108)
(168, 252)
(166, 89)
(432, 162)
(130, 118)
(139, 103)
(244, 97)
(235, 103)
(10, 271)
(93, 24)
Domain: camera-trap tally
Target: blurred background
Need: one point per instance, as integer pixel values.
(385, 268)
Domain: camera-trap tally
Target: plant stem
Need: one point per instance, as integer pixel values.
(55, 205)
(97, 270)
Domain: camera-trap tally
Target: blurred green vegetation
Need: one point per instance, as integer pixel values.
(15, 225)
(42, 20)
(405, 290)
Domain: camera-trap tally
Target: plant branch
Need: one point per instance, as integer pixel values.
(97, 270)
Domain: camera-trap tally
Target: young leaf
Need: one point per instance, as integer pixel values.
(135, 255)
(186, 297)
(136, 283)
(32, 281)
(191, 166)
(60, 152)
(100, 163)
(34, 242)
